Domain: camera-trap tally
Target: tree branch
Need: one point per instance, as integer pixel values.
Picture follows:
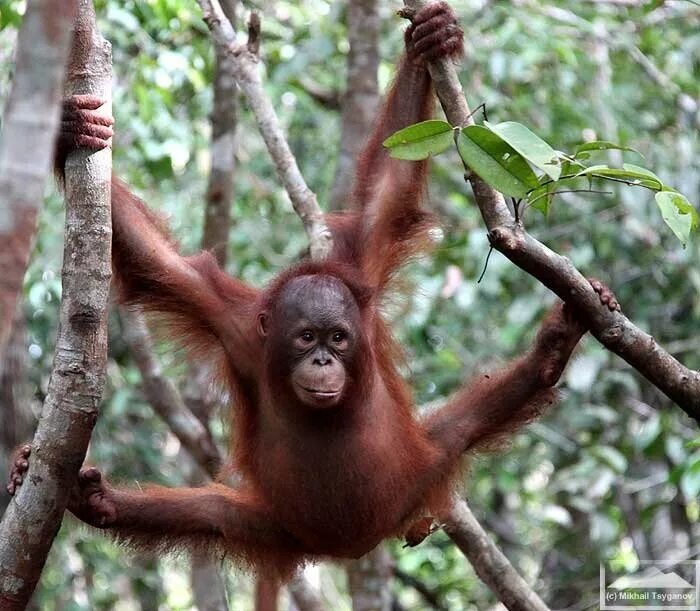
(244, 67)
(224, 145)
(612, 329)
(360, 102)
(75, 388)
(492, 567)
(164, 397)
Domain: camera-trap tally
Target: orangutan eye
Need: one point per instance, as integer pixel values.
(307, 336)
(339, 336)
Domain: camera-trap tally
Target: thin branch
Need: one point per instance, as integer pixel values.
(613, 329)
(244, 67)
(492, 567)
(75, 388)
(164, 397)
(28, 133)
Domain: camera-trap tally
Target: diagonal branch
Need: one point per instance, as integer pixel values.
(492, 567)
(164, 397)
(612, 329)
(244, 67)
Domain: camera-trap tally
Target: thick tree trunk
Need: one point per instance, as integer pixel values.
(75, 388)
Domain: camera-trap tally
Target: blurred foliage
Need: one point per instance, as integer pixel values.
(615, 463)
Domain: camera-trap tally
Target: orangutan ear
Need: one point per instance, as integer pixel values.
(262, 325)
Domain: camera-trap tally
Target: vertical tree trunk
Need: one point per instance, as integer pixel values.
(224, 123)
(28, 134)
(369, 581)
(208, 587)
(361, 100)
(75, 388)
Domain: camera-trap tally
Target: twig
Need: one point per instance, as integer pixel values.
(613, 329)
(244, 67)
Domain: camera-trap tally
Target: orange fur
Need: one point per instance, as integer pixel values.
(316, 483)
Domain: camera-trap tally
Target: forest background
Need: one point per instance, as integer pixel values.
(611, 475)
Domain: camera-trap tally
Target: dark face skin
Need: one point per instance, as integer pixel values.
(313, 331)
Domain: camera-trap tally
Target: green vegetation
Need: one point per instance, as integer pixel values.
(614, 464)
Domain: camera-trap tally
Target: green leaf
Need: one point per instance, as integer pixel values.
(495, 161)
(529, 145)
(570, 166)
(541, 199)
(630, 167)
(678, 213)
(600, 145)
(629, 173)
(420, 141)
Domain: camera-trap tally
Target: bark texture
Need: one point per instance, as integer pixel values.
(75, 388)
(28, 134)
(361, 100)
(244, 68)
(492, 567)
(224, 123)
